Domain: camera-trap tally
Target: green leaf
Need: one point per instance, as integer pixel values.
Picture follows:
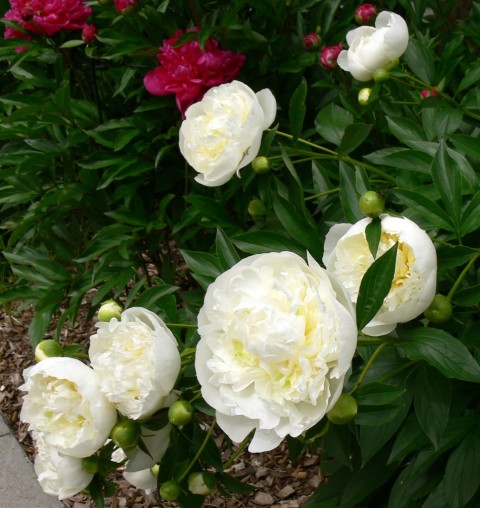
(401, 158)
(354, 135)
(432, 402)
(471, 216)
(405, 129)
(466, 144)
(226, 252)
(442, 351)
(462, 473)
(448, 182)
(426, 208)
(471, 76)
(439, 122)
(202, 263)
(296, 109)
(375, 286)
(373, 234)
(151, 295)
(331, 123)
(378, 394)
(420, 60)
(72, 44)
(350, 192)
(410, 438)
(468, 297)
(212, 209)
(258, 242)
(235, 485)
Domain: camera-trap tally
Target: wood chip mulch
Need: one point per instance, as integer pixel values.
(279, 483)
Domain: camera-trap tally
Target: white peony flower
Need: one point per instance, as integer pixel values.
(144, 479)
(222, 133)
(277, 338)
(59, 474)
(348, 257)
(371, 48)
(136, 360)
(65, 404)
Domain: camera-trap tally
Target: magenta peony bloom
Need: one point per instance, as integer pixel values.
(188, 71)
(329, 55)
(425, 94)
(47, 17)
(126, 6)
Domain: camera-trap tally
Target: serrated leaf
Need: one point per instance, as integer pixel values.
(375, 286)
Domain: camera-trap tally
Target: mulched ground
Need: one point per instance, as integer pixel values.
(279, 483)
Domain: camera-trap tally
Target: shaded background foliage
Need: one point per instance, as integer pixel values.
(94, 192)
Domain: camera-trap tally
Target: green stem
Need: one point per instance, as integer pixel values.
(370, 341)
(199, 452)
(462, 275)
(180, 325)
(374, 356)
(344, 158)
(319, 195)
(238, 451)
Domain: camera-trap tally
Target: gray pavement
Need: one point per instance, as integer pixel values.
(19, 487)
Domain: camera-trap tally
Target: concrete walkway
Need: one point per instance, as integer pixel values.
(19, 487)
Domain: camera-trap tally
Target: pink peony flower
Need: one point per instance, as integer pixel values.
(126, 6)
(329, 55)
(47, 17)
(365, 14)
(424, 94)
(312, 40)
(12, 33)
(188, 71)
(89, 33)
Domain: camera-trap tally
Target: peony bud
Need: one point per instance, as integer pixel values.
(126, 7)
(256, 208)
(365, 14)
(169, 491)
(371, 204)
(329, 55)
(109, 309)
(312, 40)
(89, 33)
(261, 165)
(364, 96)
(180, 413)
(440, 310)
(344, 410)
(91, 464)
(126, 434)
(47, 349)
(201, 483)
(424, 94)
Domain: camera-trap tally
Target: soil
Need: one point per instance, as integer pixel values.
(279, 483)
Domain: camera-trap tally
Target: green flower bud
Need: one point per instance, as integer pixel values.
(126, 434)
(371, 204)
(344, 410)
(180, 413)
(155, 469)
(201, 483)
(364, 96)
(109, 310)
(440, 310)
(261, 165)
(47, 348)
(381, 75)
(256, 208)
(169, 491)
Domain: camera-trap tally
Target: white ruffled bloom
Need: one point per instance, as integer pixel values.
(348, 257)
(371, 49)
(136, 360)
(59, 474)
(144, 479)
(277, 338)
(222, 133)
(65, 404)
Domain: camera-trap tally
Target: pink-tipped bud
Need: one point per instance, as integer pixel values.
(89, 33)
(365, 14)
(424, 94)
(312, 40)
(126, 7)
(329, 55)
